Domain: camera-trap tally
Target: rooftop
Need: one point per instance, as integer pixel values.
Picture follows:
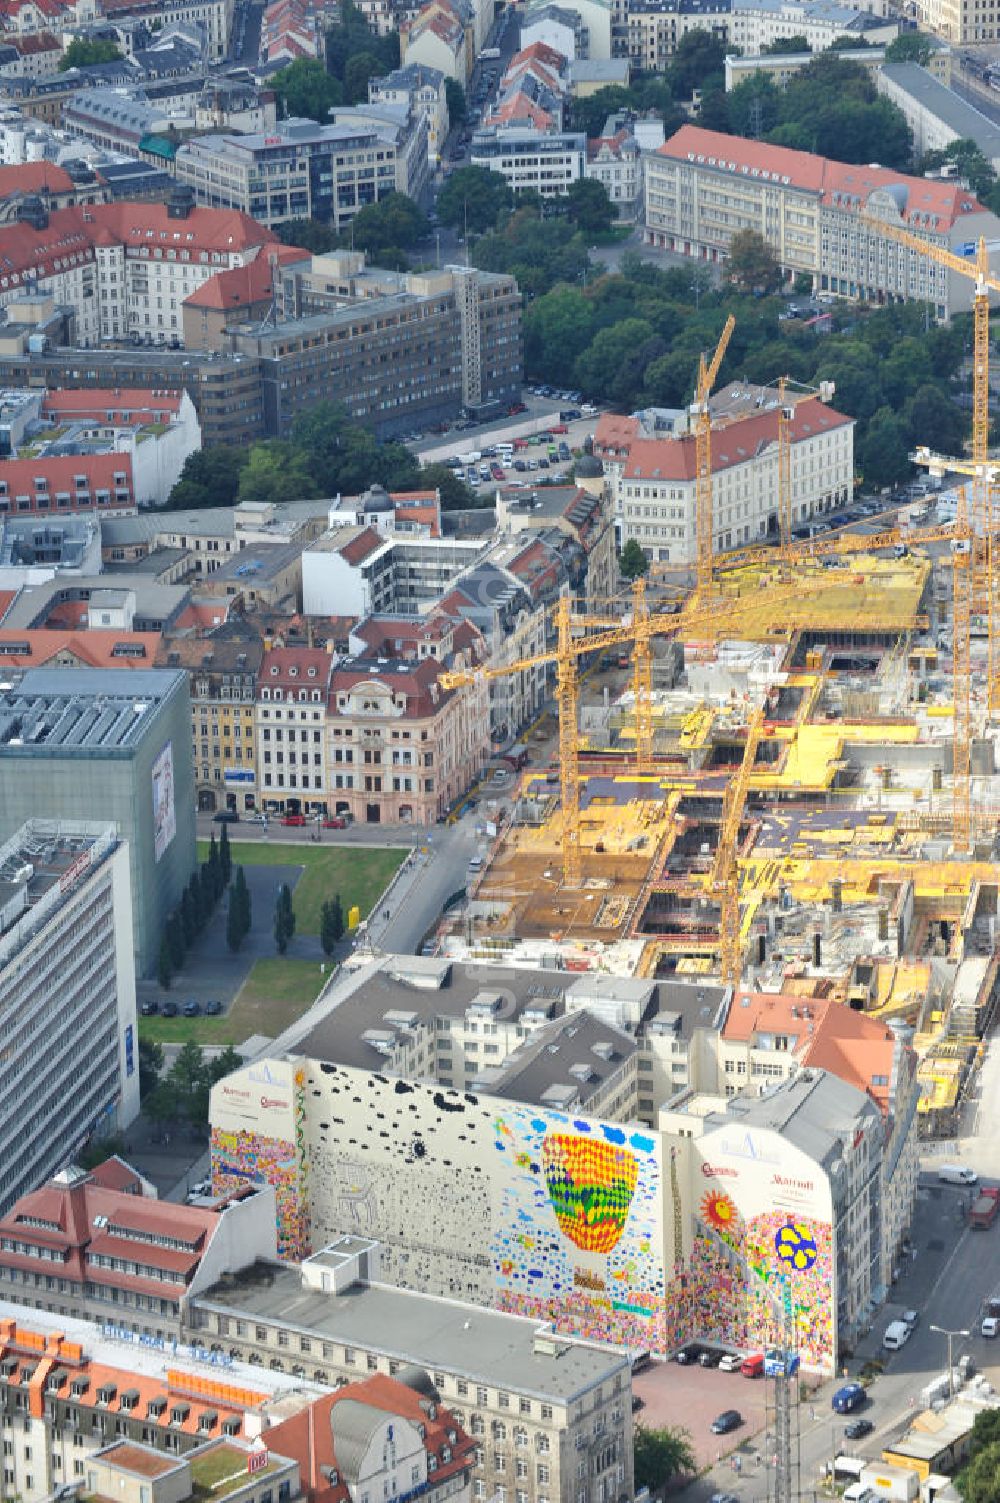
(813, 1110)
(483, 1346)
(58, 712)
(40, 864)
(957, 113)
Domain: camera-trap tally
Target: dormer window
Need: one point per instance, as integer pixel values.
(293, 672)
(274, 670)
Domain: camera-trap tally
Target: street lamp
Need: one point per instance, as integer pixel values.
(942, 1331)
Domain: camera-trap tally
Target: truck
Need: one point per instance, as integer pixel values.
(985, 1207)
(896, 1482)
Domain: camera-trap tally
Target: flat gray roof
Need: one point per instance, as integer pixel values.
(814, 1110)
(950, 108)
(483, 1346)
(56, 712)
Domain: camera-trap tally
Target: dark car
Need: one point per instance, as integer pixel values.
(168, 1009)
(226, 817)
(191, 1008)
(690, 1353)
(149, 1009)
(213, 1008)
(637, 1403)
(858, 1429)
(710, 1357)
(729, 1419)
(848, 1398)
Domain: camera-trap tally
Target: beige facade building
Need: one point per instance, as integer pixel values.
(703, 186)
(649, 31)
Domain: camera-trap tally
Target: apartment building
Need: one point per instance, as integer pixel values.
(419, 88)
(291, 714)
(67, 994)
(301, 170)
(541, 1410)
(817, 214)
(654, 478)
(401, 748)
(544, 163)
(71, 1388)
(99, 1246)
(54, 484)
(648, 31)
(214, 17)
(154, 431)
(441, 36)
(223, 671)
(936, 115)
(125, 269)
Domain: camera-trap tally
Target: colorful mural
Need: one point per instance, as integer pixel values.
(577, 1229)
(239, 1156)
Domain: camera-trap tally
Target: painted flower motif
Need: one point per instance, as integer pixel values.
(718, 1210)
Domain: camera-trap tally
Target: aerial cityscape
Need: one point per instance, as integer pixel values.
(499, 724)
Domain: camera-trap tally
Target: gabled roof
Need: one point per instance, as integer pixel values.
(126, 405)
(99, 648)
(243, 285)
(735, 444)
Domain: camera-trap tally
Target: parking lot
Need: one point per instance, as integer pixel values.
(689, 1398)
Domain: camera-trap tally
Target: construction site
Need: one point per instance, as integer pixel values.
(797, 789)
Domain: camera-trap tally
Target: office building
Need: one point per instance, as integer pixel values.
(654, 478)
(301, 170)
(702, 186)
(542, 162)
(70, 1065)
(108, 744)
(536, 1405)
(118, 1254)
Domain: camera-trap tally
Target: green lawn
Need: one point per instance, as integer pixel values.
(358, 873)
(276, 992)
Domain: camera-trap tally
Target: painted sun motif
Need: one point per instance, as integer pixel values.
(718, 1210)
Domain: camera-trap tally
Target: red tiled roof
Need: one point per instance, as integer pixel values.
(295, 668)
(141, 406)
(309, 1436)
(7, 598)
(115, 1174)
(735, 444)
(838, 183)
(60, 470)
(417, 682)
(242, 285)
(94, 649)
(361, 547)
(34, 177)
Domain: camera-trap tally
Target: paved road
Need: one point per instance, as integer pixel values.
(436, 870)
(275, 833)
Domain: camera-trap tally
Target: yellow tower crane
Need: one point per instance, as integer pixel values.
(785, 415)
(700, 411)
(725, 874)
(976, 269)
(642, 678)
(572, 643)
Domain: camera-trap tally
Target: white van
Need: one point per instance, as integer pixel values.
(897, 1334)
(957, 1174)
(858, 1492)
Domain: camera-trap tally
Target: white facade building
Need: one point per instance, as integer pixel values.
(531, 160)
(70, 1061)
(654, 478)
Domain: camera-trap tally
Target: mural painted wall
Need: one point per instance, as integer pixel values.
(771, 1204)
(257, 1119)
(556, 1217)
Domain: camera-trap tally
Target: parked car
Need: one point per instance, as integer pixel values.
(731, 1362)
(213, 1008)
(911, 1318)
(168, 1009)
(637, 1403)
(858, 1429)
(727, 1421)
(689, 1353)
(149, 1009)
(293, 819)
(226, 817)
(848, 1398)
(752, 1365)
(335, 822)
(191, 1008)
(710, 1357)
(990, 1326)
(258, 819)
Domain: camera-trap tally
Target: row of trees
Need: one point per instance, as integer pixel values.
(326, 455)
(284, 918)
(239, 918)
(393, 232)
(202, 893)
(181, 1096)
(331, 924)
(634, 340)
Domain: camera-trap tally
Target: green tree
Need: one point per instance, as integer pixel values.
(225, 857)
(164, 963)
(306, 89)
(307, 234)
(215, 865)
(209, 477)
(604, 368)
(235, 932)
(589, 113)
(175, 939)
(633, 560)
(84, 51)
(910, 47)
(659, 1455)
(357, 71)
(224, 1063)
(589, 207)
(979, 1479)
(883, 453)
(162, 1107)
(754, 106)
(474, 197)
(847, 43)
(455, 494)
(284, 918)
(455, 96)
(328, 935)
(388, 229)
(787, 45)
(964, 154)
(242, 892)
(752, 265)
(150, 1065)
(189, 918)
(277, 472)
(699, 55)
(352, 36)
